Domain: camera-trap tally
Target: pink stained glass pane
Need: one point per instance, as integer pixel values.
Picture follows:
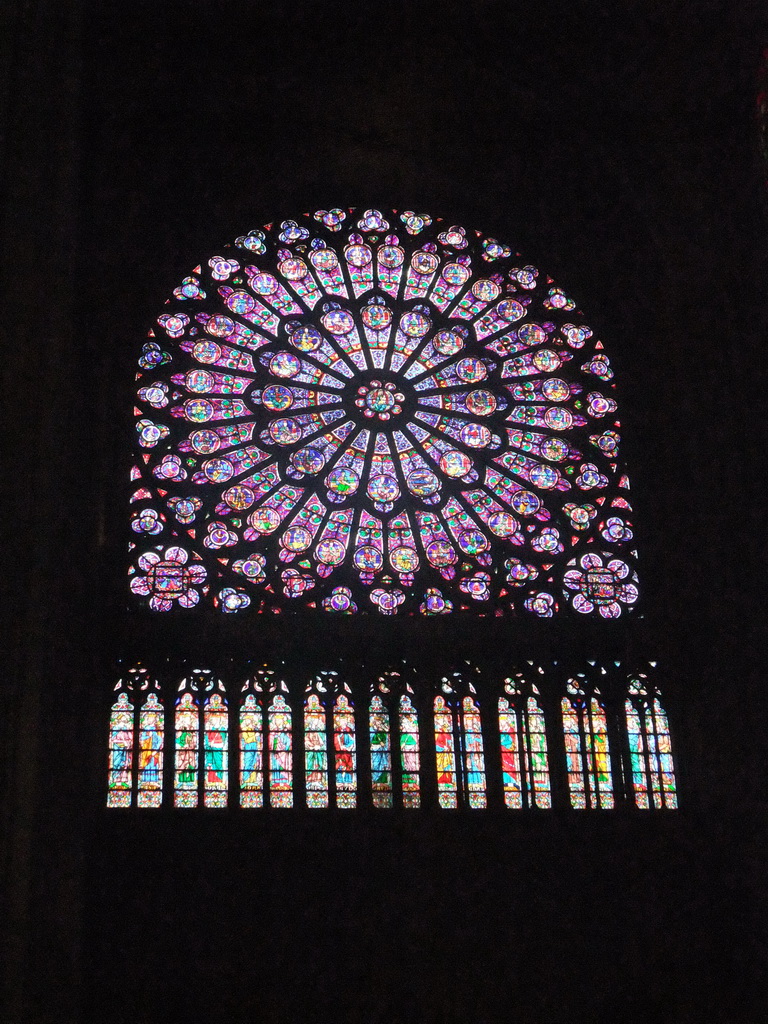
(315, 753)
(120, 753)
(151, 743)
(186, 752)
(474, 758)
(381, 754)
(345, 753)
(445, 754)
(251, 754)
(409, 753)
(280, 754)
(216, 751)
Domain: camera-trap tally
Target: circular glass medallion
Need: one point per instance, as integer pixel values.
(284, 364)
(285, 431)
(455, 464)
(308, 460)
(481, 403)
(343, 480)
(307, 338)
(277, 398)
(422, 483)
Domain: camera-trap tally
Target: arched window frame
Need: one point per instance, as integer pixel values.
(280, 732)
(330, 743)
(524, 748)
(459, 743)
(121, 743)
(380, 743)
(136, 742)
(316, 767)
(345, 751)
(201, 742)
(588, 756)
(394, 730)
(652, 767)
(253, 737)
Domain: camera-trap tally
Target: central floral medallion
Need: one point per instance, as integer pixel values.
(378, 400)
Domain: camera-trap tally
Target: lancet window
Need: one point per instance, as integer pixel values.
(650, 746)
(524, 757)
(587, 751)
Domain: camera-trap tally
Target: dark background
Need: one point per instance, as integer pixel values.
(615, 145)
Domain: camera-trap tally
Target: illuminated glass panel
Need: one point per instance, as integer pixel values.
(445, 754)
(511, 753)
(120, 753)
(574, 753)
(653, 772)
(187, 740)
(474, 759)
(409, 753)
(358, 410)
(599, 763)
(524, 762)
(345, 753)
(216, 751)
(315, 752)
(151, 740)
(660, 754)
(637, 751)
(280, 754)
(381, 754)
(587, 753)
(536, 761)
(251, 754)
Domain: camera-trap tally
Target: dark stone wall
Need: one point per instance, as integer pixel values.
(616, 149)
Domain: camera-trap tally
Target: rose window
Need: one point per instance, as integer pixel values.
(357, 411)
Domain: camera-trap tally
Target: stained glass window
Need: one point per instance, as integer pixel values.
(459, 731)
(410, 764)
(185, 774)
(586, 748)
(201, 723)
(474, 759)
(650, 748)
(524, 761)
(187, 740)
(358, 411)
(151, 736)
(120, 753)
(280, 753)
(445, 754)
(315, 752)
(345, 752)
(251, 753)
(136, 756)
(216, 731)
(381, 753)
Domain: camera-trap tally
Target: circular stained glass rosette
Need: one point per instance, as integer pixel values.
(364, 411)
